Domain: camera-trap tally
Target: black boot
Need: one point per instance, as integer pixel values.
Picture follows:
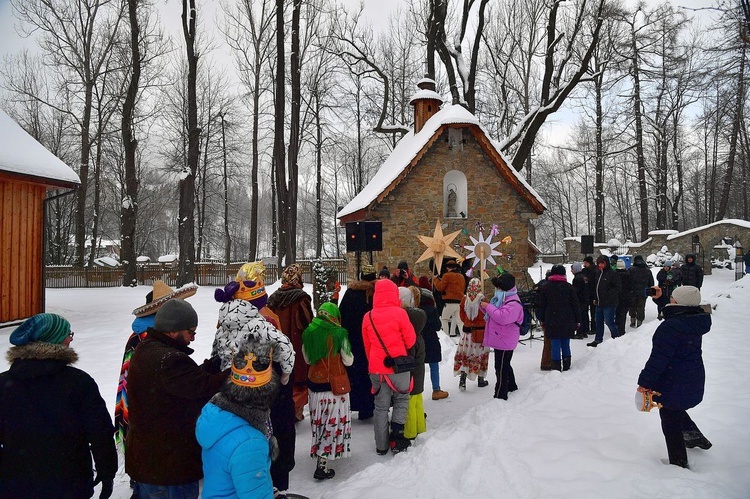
(481, 382)
(556, 365)
(566, 364)
(321, 470)
(399, 442)
(462, 382)
(695, 439)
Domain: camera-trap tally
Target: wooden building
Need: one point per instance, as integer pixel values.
(446, 168)
(27, 172)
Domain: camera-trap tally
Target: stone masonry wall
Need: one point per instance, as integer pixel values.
(412, 208)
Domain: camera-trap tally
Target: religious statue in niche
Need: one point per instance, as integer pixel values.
(452, 198)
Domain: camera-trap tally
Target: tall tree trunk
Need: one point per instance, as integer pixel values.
(318, 178)
(294, 134)
(640, 158)
(186, 223)
(599, 162)
(227, 237)
(129, 205)
(95, 220)
(736, 123)
(255, 161)
(83, 173)
(279, 152)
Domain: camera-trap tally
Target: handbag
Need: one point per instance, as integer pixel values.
(400, 364)
(331, 370)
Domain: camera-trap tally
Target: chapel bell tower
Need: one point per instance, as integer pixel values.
(426, 102)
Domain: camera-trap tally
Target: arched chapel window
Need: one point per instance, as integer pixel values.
(455, 202)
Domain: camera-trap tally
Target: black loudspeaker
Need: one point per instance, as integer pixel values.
(374, 236)
(364, 236)
(587, 245)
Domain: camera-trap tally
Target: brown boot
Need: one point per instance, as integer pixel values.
(439, 394)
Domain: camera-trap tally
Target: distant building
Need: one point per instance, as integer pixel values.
(28, 172)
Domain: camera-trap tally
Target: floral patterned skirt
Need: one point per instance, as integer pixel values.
(471, 358)
(331, 424)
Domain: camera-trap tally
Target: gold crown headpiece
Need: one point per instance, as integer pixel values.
(248, 376)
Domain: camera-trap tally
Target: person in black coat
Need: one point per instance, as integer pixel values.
(355, 303)
(52, 418)
(692, 273)
(589, 272)
(641, 278)
(606, 297)
(675, 371)
(624, 297)
(433, 351)
(560, 314)
(668, 278)
(581, 286)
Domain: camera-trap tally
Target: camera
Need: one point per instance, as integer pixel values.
(651, 291)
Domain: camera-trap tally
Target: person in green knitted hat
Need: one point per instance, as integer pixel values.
(55, 428)
(326, 348)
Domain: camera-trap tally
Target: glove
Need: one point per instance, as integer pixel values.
(284, 378)
(107, 487)
(212, 365)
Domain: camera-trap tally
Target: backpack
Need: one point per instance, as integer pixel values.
(525, 325)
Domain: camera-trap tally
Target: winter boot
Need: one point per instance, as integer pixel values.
(593, 343)
(695, 439)
(439, 394)
(632, 322)
(321, 470)
(462, 382)
(399, 442)
(481, 382)
(556, 365)
(566, 363)
(638, 323)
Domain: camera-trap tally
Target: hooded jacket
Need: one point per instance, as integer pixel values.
(607, 286)
(235, 456)
(640, 277)
(52, 420)
(502, 330)
(294, 308)
(692, 273)
(393, 326)
(558, 308)
(675, 367)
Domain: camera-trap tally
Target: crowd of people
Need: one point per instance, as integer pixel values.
(231, 421)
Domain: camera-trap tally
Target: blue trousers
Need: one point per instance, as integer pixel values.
(435, 375)
(184, 491)
(560, 345)
(606, 315)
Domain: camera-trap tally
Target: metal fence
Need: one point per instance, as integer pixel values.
(206, 274)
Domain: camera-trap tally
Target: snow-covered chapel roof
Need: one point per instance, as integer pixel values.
(23, 156)
(407, 152)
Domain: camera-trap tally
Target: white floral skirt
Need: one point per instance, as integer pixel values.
(331, 423)
(471, 358)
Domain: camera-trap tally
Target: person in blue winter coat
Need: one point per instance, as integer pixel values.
(234, 429)
(675, 371)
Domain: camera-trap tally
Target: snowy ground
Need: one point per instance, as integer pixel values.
(573, 434)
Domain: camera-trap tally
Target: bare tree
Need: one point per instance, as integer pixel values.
(186, 222)
(76, 37)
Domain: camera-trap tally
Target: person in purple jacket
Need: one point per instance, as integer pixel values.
(504, 315)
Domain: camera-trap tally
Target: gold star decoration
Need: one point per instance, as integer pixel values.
(438, 246)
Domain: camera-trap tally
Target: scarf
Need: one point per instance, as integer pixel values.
(499, 298)
(327, 324)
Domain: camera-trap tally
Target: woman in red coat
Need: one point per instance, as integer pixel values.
(387, 327)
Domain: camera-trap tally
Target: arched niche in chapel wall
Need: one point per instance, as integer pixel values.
(455, 202)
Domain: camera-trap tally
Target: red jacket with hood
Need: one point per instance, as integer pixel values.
(393, 325)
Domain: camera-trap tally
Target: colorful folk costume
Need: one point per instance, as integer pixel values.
(472, 358)
(326, 348)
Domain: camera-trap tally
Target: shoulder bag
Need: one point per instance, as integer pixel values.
(402, 364)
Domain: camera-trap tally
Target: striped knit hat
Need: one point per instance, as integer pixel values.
(50, 328)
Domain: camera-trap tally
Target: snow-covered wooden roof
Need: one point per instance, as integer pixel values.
(412, 146)
(23, 157)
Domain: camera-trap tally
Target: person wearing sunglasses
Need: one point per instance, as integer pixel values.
(54, 425)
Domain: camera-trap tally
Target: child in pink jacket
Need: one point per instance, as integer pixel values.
(504, 315)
